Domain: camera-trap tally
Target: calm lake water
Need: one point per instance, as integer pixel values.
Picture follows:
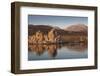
(57, 51)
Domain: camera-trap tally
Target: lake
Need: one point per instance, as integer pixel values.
(57, 51)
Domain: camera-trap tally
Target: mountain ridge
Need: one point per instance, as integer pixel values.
(76, 28)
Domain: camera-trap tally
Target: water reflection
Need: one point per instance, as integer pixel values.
(51, 50)
(77, 46)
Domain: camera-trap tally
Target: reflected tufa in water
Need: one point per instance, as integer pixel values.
(52, 49)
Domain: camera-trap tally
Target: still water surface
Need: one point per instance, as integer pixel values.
(57, 51)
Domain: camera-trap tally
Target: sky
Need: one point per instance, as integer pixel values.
(59, 21)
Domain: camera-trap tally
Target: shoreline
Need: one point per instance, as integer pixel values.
(48, 43)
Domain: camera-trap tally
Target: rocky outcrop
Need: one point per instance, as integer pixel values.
(40, 37)
(52, 35)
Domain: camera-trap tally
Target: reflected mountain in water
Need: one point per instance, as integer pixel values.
(76, 46)
(55, 51)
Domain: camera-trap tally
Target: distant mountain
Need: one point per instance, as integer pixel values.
(34, 28)
(56, 27)
(77, 28)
